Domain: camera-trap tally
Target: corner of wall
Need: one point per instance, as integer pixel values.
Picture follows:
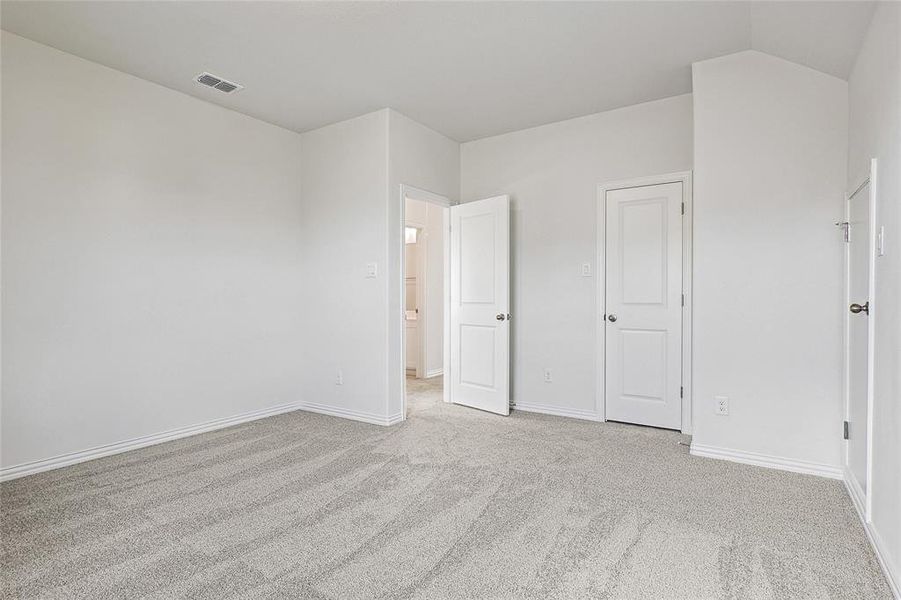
(750, 168)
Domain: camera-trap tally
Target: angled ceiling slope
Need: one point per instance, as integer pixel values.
(466, 69)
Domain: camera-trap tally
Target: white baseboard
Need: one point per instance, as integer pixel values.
(434, 373)
(765, 460)
(573, 413)
(858, 497)
(347, 413)
(64, 460)
(858, 500)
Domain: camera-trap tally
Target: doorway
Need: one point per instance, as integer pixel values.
(644, 330)
(860, 261)
(455, 288)
(425, 221)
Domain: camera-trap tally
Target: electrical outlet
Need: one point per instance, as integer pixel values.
(722, 405)
(372, 270)
(547, 376)
(586, 269)
(339, 378)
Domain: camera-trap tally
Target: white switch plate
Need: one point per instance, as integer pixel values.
(586, 269)
(721, 406)
(339, 378)
(547, 376)
(372, 270)
(880, 241)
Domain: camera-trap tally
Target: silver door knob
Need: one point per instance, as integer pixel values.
(611, 318)
(859, 308)
(500, 317)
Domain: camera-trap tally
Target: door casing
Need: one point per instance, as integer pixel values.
(683, 177)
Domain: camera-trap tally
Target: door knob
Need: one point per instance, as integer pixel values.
(611, 318)
(500, 317)
(859, 308)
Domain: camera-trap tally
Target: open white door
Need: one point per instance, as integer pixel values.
(860, 235)
(644, 305)
(858, 348)
(479, 304)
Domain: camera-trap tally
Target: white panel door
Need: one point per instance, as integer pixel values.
(643, 308)
(480, 304)
(858, 332)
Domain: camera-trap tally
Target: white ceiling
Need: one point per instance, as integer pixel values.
(466, 69)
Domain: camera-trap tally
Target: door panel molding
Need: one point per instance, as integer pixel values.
(685, 178)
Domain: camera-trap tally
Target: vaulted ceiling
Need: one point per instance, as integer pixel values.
(466, 69)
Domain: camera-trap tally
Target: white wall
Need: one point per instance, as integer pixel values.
(770, 163)
(194, 253)
(425, 159)
(411, 266)
(165, 263)
(552, 173)
(875, 132)
(413, 281)
(345, 176)
(434, 318)
(151, 258)
(352, 173)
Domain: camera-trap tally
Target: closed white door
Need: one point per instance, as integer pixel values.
(859, 253)
(480, 304)
(643, 308)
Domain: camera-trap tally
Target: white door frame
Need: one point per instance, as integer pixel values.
(415, 193)
(683, 177)
(863, 499)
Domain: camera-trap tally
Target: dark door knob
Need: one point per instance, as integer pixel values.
(859, 308)
(611, 318)
(500, 317)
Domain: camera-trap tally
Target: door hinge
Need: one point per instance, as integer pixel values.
(845, 430)
(683, 299)
(681, 391)
(683, 208)
(846, 230)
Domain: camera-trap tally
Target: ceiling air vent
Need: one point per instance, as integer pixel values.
(218, 83)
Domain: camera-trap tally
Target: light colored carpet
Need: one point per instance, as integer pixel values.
(453, 503)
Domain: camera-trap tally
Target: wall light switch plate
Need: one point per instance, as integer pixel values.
(372, 270)
(586, 269)
(547, 376)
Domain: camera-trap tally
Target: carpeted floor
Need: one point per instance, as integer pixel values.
(453, 503)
